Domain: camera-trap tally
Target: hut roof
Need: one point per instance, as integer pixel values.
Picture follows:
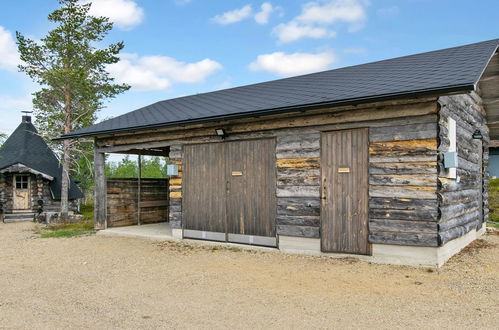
(449, 70)
(25, 146)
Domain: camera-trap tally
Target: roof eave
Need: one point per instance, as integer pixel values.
(420, 93)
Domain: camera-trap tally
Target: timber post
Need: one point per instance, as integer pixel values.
(139, 179)
(100, 194)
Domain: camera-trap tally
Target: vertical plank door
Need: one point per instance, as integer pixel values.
(344, 176)
(22, 200)
(251, 200)
(204, 191)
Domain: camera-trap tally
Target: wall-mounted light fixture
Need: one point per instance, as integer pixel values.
(477, 135)
(221, 132)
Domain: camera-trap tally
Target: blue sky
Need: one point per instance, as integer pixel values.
(182, 47)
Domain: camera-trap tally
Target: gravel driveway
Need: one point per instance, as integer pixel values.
(128, 283)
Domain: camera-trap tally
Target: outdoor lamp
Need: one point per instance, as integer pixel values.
(477, 135)
(221, 132)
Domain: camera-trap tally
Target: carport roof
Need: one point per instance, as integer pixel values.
(441, 71)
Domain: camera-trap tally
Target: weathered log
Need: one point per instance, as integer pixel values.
(403, 158)
(456, 232)
(175, 208)
(298, 206)
(299, 231)
(297, 191)
(298, 176)
(298, 146)
(402, 203)
(400, 180)
(455, 210)
(402, 238)
(417, 215)
(457, 197)
(298, 162)
(403, 168)
(446, 184)
(403, 132)
(461, 220)
(407, 191)
(383, 225)
(312, 221)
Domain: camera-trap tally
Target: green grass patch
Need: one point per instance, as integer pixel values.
(494, 200)
(85, 227)
(87, 211)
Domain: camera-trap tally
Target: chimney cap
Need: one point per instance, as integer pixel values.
(26, 116)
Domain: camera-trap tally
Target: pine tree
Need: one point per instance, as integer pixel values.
(70, 65)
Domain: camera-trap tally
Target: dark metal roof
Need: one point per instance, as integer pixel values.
(25, 146)
(441, 71)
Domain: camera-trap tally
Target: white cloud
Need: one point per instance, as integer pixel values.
(262, 17)
(328, 12)
(293, 31)
(284, 64)
(126, 14)
(316, 18)
(234, 16)
(9, 57)
(160, 72)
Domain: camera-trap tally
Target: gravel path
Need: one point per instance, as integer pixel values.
(125, 283)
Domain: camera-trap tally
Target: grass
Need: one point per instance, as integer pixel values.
(493, 202)
(87, 211)
(83, 227)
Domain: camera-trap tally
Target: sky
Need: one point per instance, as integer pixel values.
(181, 47)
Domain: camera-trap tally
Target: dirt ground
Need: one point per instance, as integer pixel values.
(129, 283)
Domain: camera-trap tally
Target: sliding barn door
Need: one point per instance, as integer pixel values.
(204, 195)
(229, 192)
(344, 212)
(251, 200)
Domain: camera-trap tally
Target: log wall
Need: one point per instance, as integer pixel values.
(463, 202)
(122, 201)
(403, 170)
(40, 189)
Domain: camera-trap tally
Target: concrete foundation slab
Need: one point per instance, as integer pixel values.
(386, 253)
(156, 231)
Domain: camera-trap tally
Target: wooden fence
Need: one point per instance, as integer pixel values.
(124, 208)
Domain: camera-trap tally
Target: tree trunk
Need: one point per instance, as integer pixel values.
(66, 159)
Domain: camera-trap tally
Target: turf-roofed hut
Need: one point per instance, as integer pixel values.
(385, 160)
(30, 175)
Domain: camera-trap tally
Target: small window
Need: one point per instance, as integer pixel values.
(22, 181)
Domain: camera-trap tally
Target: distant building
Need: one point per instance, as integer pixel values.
(30, 175)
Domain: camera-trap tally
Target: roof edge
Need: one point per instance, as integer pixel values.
(423, 92)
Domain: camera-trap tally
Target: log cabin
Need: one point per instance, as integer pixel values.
(386, 160)
(30, 176)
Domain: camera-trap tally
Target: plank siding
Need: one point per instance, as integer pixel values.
(122, 201)
(461, 202)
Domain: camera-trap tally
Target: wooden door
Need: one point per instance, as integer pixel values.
(204, 191)
(229, 192)
(344, 174)
(22, 192)
(251, 200)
